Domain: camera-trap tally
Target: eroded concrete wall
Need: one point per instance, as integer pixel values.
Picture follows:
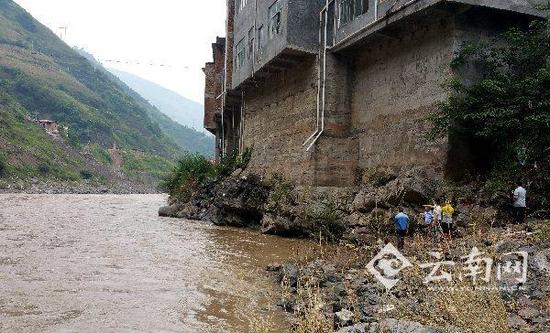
(279, 116)
(396, 83)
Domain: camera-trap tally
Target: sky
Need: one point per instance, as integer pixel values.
(164, 41)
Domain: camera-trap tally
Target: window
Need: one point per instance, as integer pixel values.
(275, 12)
(349, 9)
(251, 43)
(261, 39)
(240, 4)
(241, 54)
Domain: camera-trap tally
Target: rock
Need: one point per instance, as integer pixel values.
(169, 211)
(238, 202)
(274, 267)
(405, 326)
(290, 271)
(364, 202)
(360, 328)
(516, 322)
(528, 313)
(237, 173)
(541, 261)
(344, 317)
(278, 225)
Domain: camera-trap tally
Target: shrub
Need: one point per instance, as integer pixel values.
(190, 171)
(503, 114)
(282, 190)
(44, 168)
(3, 167)
(233, 161)
(85, 174)
(326, 218)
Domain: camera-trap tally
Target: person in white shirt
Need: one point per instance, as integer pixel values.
(520, 203)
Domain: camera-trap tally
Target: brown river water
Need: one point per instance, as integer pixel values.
(108, 263)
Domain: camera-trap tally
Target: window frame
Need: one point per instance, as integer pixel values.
(275, 12)
(240, 53)
(354, 9)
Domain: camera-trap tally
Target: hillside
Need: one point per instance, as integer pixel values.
(187, 138)
(43, 78)
(172, 104)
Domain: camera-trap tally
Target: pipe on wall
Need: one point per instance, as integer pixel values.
(318, 81)
(324, 83)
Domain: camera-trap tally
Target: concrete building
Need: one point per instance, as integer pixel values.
(330, 92)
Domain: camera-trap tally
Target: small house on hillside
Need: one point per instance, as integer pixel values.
(51, 127)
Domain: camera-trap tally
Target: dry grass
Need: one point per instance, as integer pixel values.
(310, 317)
(262, 325)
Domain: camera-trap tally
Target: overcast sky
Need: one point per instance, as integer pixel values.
(173, 33)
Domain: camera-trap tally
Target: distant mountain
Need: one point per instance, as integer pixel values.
(188, 138)
(43, 78)
(172, 104)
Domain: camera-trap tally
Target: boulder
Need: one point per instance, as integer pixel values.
(344, 317)
(516, 322)
(405, 326)
(276, 225)
(528, 313)
(169, 211)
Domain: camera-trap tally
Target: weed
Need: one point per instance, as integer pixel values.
(326, 218)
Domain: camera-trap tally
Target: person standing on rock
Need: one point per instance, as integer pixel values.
(401, 222)
(520, 203)
(447, 212)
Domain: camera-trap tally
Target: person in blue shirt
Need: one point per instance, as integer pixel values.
(401, 222)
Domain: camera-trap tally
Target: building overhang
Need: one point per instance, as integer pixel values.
(369, 25)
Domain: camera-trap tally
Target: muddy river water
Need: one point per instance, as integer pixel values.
(108, 263)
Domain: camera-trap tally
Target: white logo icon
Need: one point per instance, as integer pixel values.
(387, 264)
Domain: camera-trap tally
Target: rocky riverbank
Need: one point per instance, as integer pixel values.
(329, 288)
(357, 215)
(40, 186)
(332, 289)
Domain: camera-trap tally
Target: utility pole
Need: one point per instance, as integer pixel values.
(63, 33)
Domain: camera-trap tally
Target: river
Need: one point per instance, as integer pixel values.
(108, 263)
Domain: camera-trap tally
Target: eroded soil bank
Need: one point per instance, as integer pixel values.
(109, 263)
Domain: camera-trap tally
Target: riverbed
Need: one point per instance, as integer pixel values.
(108, 263)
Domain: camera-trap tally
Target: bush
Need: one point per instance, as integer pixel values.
(44, 169)
(3, 167)
(503, 114)
(85, 174)
(233, 161)
(326, 218)
(190, 171)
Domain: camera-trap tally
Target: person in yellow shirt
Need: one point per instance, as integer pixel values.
(447, 212)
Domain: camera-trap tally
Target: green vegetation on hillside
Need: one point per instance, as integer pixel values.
(42, 78)
(504, 112)
(187, 138)
(27, 151)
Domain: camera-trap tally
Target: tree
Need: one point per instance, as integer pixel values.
(507, 104)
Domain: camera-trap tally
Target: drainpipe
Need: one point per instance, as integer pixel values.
(241, 125)
(318, 80)
(323, 105)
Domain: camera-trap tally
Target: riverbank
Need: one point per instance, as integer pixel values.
(331, 289)
(52, 186)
